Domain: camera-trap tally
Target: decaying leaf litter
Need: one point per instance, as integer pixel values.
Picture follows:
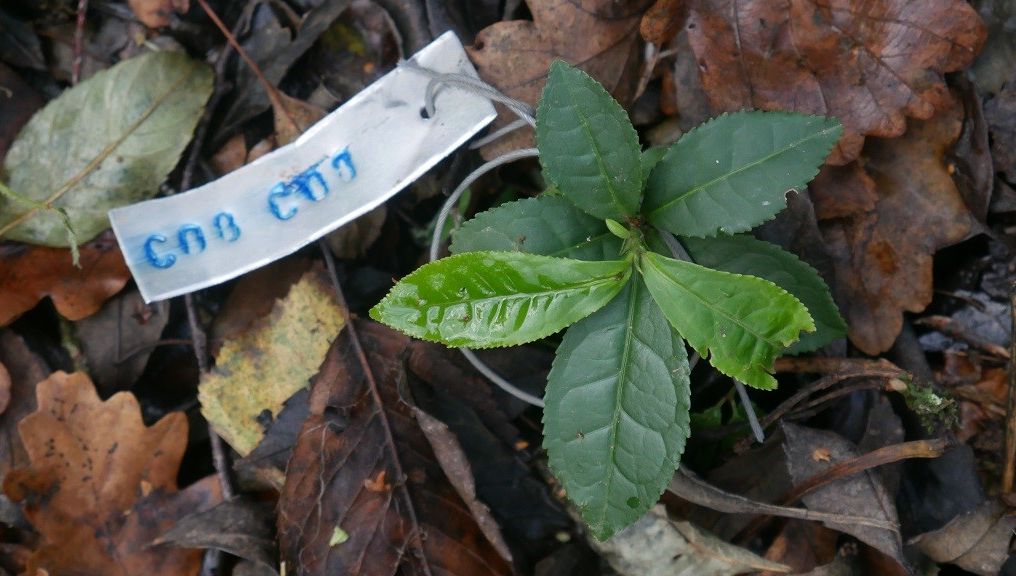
(353, 449)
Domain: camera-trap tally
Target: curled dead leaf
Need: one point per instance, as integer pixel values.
(662, 21)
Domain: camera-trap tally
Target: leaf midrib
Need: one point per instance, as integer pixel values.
(713, 307)
(732, 173)
(102, 156)
(571, 288)
(628, 338)
(604, 173)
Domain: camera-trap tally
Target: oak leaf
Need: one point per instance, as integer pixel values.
(30, 273)
(882, 254)
(363, 469)
(869, 63)
(101, 485)
(599, 36)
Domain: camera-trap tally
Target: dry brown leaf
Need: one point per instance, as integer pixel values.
(101, 486)
(156, 13)
(362, 467)
(977, 541)
(862, 494)
(869, 63)
(30, 273)
(18, 101)
(118, 340)
(883, 256)
(293, 117)
(599, 36)
(843, 191)
(25, 370)
(5, 388)
(662, 21)
(802, 545)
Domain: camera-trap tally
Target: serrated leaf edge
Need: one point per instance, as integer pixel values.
(601, 530)
(736, 229)
(584, 123)
(707, 353)
(840, 330)
(374, 312)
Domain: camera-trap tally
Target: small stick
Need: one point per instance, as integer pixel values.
(885, 455)
(272, 91)
(687, 486)
(947, 326)
(1009, 465)
(840, 369)
(858, 366)
(79, 37)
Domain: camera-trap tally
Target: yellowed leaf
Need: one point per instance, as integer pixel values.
(256, 372)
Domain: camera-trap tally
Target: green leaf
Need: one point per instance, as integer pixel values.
(547, 225)
(109, 141)
(485, 299)
(650, 158)
(743, 254)
(733, 172)
(588, 147)
(743, 322)
(616, 416)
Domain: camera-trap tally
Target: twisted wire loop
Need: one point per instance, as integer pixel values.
(526, 117)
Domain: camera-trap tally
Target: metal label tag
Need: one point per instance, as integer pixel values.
(350, 162)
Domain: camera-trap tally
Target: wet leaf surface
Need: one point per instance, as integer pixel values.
(363, 466)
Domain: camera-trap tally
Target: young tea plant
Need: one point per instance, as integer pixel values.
(591, 254)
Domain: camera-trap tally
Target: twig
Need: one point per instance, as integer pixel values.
(79, 37)
(368, 373)
(945, 325)
(271, 91)
(880, 457)
(1009, 465)
(218, 89)
(839, 392)
(858, 366)
(885, 455)
(688, 486)
(200, 343)
(836, 369)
